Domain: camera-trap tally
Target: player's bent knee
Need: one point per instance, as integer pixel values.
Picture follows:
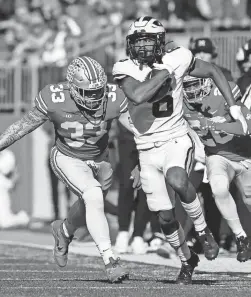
(93, 197)
(177, 178)
(168, 222)
(219, 186)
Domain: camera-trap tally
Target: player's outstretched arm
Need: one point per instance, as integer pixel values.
(140, 92)
(204, 70)
(235, 128)
(28, 123)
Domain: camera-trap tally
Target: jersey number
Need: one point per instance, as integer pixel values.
(83, 133)
(163, 108)
(112, 92)
(57, 93)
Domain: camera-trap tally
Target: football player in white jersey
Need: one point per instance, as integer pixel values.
(152, 81)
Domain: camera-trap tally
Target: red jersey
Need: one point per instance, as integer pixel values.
(217, 143)
(75, 135)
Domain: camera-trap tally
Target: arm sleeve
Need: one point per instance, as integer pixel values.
(118, 71)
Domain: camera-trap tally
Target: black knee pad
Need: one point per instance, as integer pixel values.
(167, 221)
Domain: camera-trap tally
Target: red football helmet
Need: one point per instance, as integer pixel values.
(88, 83)
(195, 89)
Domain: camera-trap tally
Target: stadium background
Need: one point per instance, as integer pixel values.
(20, 83)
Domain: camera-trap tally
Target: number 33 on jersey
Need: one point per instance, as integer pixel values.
(76, 136)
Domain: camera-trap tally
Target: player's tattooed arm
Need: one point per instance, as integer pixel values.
(28, 123)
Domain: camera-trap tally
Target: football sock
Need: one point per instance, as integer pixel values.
(106, 253)
(228, 210)
(75, 218)
(194, 210)
(178, 242)
(96, 222)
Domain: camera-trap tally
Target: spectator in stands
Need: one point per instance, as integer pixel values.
(30, 49)
(15, 28)
(230, 14)
(7, 9)
(204, 49)
(243, 60)
(8, 180)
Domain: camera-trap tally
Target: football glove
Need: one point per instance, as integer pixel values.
(135, 176)
(237, 114)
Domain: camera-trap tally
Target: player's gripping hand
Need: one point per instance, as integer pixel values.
(135, 176)
(237, 114)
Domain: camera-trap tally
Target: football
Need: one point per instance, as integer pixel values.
(163, 91)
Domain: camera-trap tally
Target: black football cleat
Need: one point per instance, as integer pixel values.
(187, 269)
(209, 245)
(60, 251)
(115, 272)
(243, 248)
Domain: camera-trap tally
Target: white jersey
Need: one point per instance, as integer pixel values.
(154, 123)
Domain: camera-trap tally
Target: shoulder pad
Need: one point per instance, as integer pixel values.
(123, 60)
(172, 49)
(179, 59)
(49, 96)
(129, 68)
(121, 69)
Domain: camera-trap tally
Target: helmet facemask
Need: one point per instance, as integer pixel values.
(145, 53)
(195, 89)
(88, 88)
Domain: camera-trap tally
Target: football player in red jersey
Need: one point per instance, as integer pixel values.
(228, 157)
(81, 110)
(152, 81)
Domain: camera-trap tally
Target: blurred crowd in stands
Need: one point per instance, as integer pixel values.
(50, 33)
(44, 32)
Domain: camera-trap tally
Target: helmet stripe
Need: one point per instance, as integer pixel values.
(141, 19)
(90, 68)
(86, 67)
(93, 67)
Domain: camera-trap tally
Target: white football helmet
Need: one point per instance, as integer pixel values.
(146, 28)
(195, 89)
(88, 83)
